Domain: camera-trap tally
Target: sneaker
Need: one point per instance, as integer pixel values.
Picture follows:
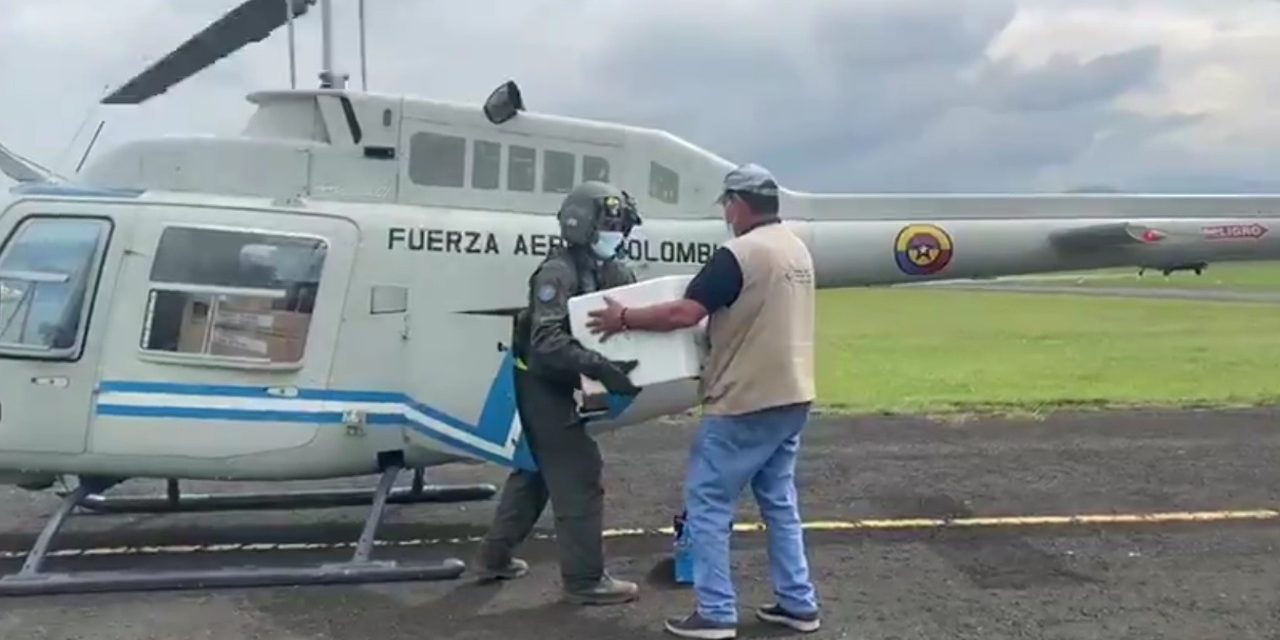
(695, 626)
(515, 568)
(804, 623)
(607, 591)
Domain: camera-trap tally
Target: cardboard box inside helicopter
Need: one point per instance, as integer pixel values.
(243, 326)
(669, 364)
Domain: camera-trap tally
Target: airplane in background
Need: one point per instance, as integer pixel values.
(331, 292)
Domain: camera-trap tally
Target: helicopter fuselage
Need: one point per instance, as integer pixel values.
(338, 284)
(179, 335)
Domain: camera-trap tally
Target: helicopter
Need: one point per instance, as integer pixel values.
(332, 292)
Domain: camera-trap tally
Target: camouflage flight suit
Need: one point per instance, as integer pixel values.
(550, 361)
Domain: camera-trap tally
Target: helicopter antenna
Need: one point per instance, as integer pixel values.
(87, 117)
(293, 65)
(90, 147)
(364, 68)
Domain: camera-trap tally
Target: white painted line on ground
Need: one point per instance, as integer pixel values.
(822, 525)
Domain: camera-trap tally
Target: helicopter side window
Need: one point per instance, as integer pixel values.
(557, 171)
(233, 294)
(664, 184)
(48, 272)
(486, 164)
(437, 160)
(522, 166)
(595, 168)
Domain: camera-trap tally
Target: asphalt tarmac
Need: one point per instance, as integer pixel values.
(875, 491)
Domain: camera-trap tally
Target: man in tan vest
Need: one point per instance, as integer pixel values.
(757, 389)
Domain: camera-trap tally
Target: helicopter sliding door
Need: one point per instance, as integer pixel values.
(55, 271)
(226, 330)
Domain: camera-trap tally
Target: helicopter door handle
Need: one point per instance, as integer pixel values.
(61, 382)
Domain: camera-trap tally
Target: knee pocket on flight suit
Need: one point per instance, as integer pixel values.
(573, 476)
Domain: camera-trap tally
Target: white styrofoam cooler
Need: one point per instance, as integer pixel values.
(669, 363)
(662, 357)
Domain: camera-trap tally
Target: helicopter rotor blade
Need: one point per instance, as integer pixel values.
(21, 169)
(251, 21)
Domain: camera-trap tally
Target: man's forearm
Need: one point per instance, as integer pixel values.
(667, 316)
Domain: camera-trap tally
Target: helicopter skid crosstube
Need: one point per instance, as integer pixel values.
(175, 502)
(344, 573)
(360, 569)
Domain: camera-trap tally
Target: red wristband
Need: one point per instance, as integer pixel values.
(622, 317)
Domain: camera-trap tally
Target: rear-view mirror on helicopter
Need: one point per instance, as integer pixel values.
(331, 292)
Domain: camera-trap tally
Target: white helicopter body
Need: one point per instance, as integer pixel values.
(332, 292)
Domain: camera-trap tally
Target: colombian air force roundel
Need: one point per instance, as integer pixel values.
(922, 249)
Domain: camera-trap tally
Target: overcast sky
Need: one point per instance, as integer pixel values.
(833, 95)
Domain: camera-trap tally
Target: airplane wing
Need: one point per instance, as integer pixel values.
(250, 22)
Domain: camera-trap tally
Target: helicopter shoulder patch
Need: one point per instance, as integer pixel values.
(546, 292)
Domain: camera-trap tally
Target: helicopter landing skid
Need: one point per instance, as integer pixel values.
(30, 580)
(175, 502)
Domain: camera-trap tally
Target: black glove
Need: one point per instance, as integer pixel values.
(614, 377)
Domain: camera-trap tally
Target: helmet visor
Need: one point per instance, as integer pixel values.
(613, 216)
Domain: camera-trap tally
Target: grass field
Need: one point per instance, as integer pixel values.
(1240, 276)
(938, 351)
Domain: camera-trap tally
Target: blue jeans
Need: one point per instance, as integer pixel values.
(729, 452)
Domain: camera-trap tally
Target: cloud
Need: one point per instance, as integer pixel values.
(877, 95)
(1065, 80)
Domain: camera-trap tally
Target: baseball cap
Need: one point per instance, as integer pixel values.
(749, 178)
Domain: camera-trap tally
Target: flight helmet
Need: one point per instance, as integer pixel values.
(597, 215)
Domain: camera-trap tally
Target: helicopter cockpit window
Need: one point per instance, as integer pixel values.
(664, 184)
(48, 272)
(595, 168)
(437, 160)
(557, 171)
(233, 294)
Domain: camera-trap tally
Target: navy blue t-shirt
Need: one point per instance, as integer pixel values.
(718, 283)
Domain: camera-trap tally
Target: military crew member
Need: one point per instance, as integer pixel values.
(595, 219)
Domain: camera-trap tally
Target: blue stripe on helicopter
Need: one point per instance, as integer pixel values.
(392, 416)
(262, 393)
(245, 415)
(258, 404)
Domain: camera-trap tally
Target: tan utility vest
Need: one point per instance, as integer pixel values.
(761, 346)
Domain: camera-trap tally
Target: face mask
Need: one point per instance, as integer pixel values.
(607, 244)
(728, 226)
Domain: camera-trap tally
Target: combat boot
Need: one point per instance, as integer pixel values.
(514, 568)
(493, 565)
(605, 592)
